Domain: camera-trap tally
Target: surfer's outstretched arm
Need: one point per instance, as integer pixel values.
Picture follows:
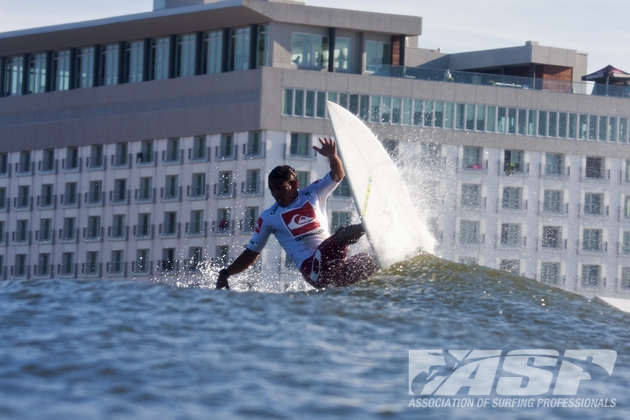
(242, 263)
(329, 149)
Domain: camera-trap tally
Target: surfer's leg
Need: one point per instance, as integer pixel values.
(353, 270)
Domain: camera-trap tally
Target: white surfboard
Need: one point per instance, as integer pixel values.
(380, 194)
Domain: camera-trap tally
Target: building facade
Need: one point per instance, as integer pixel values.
(139, 146)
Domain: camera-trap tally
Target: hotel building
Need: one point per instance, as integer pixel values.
(138, 146)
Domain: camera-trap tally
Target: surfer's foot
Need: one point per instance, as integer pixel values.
(348, 235)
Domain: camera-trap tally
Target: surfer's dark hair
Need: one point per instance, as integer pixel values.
(284, 172)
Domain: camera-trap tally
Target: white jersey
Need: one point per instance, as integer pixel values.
(299, 227)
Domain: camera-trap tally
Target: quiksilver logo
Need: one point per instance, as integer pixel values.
(527, 372)
(298, 221)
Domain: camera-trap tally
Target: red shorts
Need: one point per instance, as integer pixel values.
(329, 266)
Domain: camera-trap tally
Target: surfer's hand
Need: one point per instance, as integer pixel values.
(222, 281)
(328, 149)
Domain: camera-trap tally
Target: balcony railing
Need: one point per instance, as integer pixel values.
(502, 81)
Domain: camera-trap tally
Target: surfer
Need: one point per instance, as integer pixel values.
(299, 222)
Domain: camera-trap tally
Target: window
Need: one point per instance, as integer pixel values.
(254, 146)
(592, 127)
(146, 152)
(226, 147)
(14, 76)
(24, 197)
(186, 55)
(168, 259)
(377, 55)
(160, 57)
(343, 51)
(553, 201)
(46, 199)
(43, 265)
(471, 195)
(48, 161)
(340, 218)
(134, 62)
(511, 234)
(594, 167)
(552, 237)
(171, 188)
(473, 158)
(121, 157)
(4, 164)
(68, 232)
(92, 263)
(239, 49)
(222, 255)
(591, 275)
(172, 154)
(301, 145)
(554, 164)
(72, 158)
(304, 179)
(626, 206)
(67, 264)
(592, 240)
(309, 50)
(61, 70)
(85, 67)
(343, 189)
(142, 261)
(480, 122)
(145, 192)
(212, 52)
(95, 192)
(223, 224)
(626, 242)
(198, 185)
(170, 223)
(625, 278)
(593, 203)
(253, 184)
(469, 231)
(199, 150)
(45, 230)
(20, 265)
(21, 231)
(70, 197)
(37, 73)
(117, 263)
(251, 217)
(120, 191)
(225, 187)
(93, 228)
(542, 123)
(514, 161)
(196, 222)
(553, 124)
(118, 226)
(470, 117)
(96, 159)
(4, 201)
(195, 257)
(109, 65)
(24, 164)
(522, 122)
(550, 273)
(144, 227)
(262, 46)
(512, 198)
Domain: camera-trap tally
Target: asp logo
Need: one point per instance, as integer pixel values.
(525, 372)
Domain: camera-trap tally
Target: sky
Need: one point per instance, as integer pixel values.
(600, 29)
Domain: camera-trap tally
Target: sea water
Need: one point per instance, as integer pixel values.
(128, 349)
